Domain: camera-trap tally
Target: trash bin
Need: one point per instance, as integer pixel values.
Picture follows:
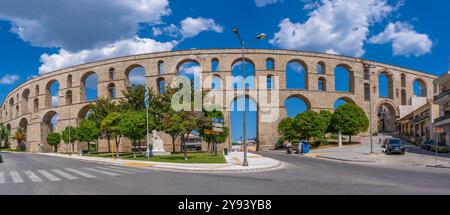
(225, 151)
(305, 148)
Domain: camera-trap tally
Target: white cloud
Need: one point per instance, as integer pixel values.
(9, 79)
(79, 25)
(334, 26)
(189, 27)
(405, 40)
(263, 3)
(133, 46)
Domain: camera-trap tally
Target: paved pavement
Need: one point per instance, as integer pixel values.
(301, 175)
(361, 154)
(234, 163)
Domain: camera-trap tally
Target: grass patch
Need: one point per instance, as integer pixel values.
(193, 158)
(8, 150)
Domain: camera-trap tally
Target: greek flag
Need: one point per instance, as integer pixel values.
(147, 98)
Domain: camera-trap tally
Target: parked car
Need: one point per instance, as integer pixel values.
(441, 147)
(427, 144)
(393, 145)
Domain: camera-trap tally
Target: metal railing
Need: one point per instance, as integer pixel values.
(442, 95)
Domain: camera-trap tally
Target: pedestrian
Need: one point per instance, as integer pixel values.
(288, 147)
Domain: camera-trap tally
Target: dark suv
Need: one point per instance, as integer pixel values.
(392, 146)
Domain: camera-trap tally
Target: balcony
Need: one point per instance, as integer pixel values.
(442, 98)
(442, 118)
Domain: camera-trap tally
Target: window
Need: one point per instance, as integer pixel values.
(366, 92)
(215, 65)
(270, 64)
(161, 67)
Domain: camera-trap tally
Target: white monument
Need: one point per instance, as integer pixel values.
(158, 145)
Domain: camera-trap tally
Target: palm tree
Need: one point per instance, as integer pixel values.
(20, 137)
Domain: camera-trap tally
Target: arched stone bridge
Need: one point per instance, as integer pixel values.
(29, 106)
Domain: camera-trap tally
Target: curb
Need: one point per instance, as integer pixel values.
(438, 166)
(153, 166)
(346, 160)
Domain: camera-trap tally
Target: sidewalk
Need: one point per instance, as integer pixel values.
(361, 154)
(257, 163)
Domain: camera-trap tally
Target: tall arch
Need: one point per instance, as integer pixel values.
(296, 104)
(84, 113)
(386, 85)
(236, 119)
(192, 70)
(420, 88)
(270, 64)
(36, 105)
(342, 101)
(161, 68)
(25, 101)
(243, 78)
(23, 124)
(344, 78)
(296, 75)
(216, 83)
(89, 86)
(322, 84)
(69, 81)
(135, 75)
(215, 65)
(403, 97)
(161, 84)
(49, 124)
(111, 91)
(69, 97)
(387, 114)
(321, 69)
(52, 94)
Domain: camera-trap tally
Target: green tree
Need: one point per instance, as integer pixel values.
(100, 109)
(350, 120)
(53, 139)
(110, 126)
(20, 137)
(190, 121)
(88, 132)
(171, 125)
(326, 116)
(286, 128)
(133, 98)
(133, 126)
(310, 124)
(213, 139)
(4, 136)
(69, 136)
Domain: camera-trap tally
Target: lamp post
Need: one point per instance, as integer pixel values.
(370, 66)
(243, 45)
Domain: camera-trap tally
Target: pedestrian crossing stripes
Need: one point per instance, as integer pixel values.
(56, 175)
(33, 177)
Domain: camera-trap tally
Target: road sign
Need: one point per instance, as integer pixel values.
(218, 130)
(218, 125)
(438, 130)
(217, 120)
(210, 132)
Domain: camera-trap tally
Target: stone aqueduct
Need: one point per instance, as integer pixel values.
(29, 105)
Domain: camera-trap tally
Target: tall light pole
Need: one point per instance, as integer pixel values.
(368, 67)
(243, 45)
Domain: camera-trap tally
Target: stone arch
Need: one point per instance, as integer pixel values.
(387, 114)
(190, 69)
(112, 74)
(111, 91)
(25, 100)
(84, 113)
(249, 74)
(350, 86)
(49, 124)
(85, 88)
(236, 114)
(36, 89)
(403, 80)
(23, 124)
(303, 101)
(216, 82)
(52, 101)
(269, 82)
(69, 97)
(161, 85)
(321, 69)
(297, 75)
(367, 92)
(215, 65)
(342, 101)
(36, 105)
(161, 68)
(270, 63)
(404, 97)
(420, 87)
(322, 84)
(69, 81)
(139, 79)
(388, 90)
(11, 108)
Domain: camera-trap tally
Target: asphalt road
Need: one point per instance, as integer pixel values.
(36, 174)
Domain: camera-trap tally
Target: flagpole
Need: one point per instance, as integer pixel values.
(147, 104)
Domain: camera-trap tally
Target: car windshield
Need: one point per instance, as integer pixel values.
(395, 142)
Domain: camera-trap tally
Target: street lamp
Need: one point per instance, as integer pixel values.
(243, 45)
(368, 67)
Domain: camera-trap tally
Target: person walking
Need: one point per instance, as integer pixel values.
(288, 146)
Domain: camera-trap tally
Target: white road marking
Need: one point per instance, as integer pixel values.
(16, 177)
(2, 177)
(132, 170)
(65, 175)
(33, 177)
(102, 172)
(81, 173)
(48, 175)
(115, 170)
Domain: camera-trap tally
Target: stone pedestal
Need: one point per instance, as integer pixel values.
(158, 148)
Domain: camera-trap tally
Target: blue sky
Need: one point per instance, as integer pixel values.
(50, 34)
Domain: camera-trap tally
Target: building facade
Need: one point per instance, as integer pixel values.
(443, 100)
